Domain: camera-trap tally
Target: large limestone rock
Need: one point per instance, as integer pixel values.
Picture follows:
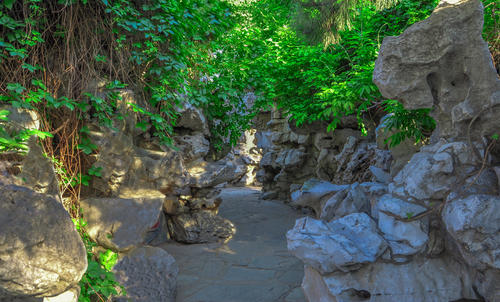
(200, 227)
(474, 223)
(344, 244)
(121, 224)
(126, 167)
(38, 172)
(405, 238)
(443, 63)
(314, 192)
(210, 174)
(442, 168)
(433, 280)
(192, 118)
(193, 146)
(349, 201)
(41, 254)
(147, 274)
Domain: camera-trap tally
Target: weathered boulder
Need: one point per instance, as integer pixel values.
(193, 146)
(147, 274)
(433, 280)
(343, 244)
(404, 237)
(38, 172)
(313, 192)
(345, 202)
(41, 254)
(126, 167)
(443, 63)
(442, 168)
(209, 174)
(289, 159)
(121, 224)
(474, 223)
(192, 118)
(200, 227)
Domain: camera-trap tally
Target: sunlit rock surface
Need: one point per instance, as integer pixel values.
(443, 63)
(121, 224)
(41, 254)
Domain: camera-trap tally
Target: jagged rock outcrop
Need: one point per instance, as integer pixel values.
(443, 63)
(343, 244)
(293, 155)
(41, 254)
(438, 212)
(131, 162)
(423, 279)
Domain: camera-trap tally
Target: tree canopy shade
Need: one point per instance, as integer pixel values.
(320, 21)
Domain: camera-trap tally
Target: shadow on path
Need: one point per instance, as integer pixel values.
(254, 266)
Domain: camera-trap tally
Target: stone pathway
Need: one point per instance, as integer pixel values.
(254, 266)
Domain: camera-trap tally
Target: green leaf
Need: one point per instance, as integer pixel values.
(95, 171)
(8, 3)
(142, 125)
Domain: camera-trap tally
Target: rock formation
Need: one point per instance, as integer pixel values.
(293, 155)
(432, 231)
(41, 254)
(135, 166)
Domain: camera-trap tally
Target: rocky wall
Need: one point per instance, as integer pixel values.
(430, 232)
(292, 155)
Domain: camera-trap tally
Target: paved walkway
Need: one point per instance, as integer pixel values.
(254, 266)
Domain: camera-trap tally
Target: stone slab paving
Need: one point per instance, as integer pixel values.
(254, 266)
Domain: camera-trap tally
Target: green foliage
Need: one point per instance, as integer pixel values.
(14, 137)
(98, 282)
(321, 21)
(415, 124)
(263, 53)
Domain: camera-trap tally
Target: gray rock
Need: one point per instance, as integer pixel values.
(41, 254)
(405, 238)
(121, 224)
(349, 201)
(314, 286)
(344, 244)
(497, 172)
(433, 280)
(380, 175)
(193, 146)
(192, 118)
(70, 295)
(312, 193)
(443, 168)
(200, 227)
(20, 119)
(125, 167)
(209, 174)
(443, 63)
(374, 190)
(38, 172)
(289, 159)
(427, 176)
(148, 274)
(474, 223)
